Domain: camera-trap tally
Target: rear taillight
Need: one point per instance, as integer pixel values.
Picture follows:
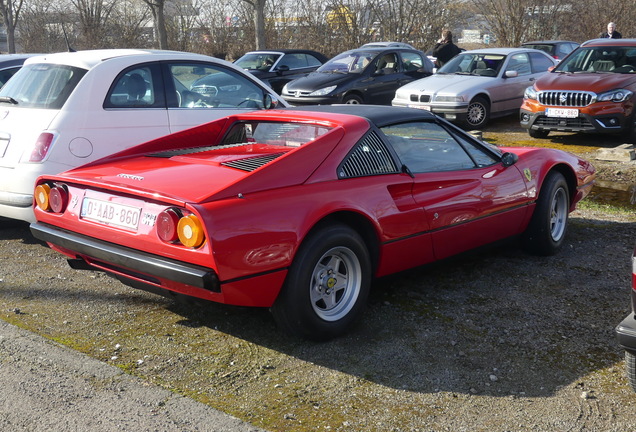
(173, 226)
(166, 225)
(41, 147)
(51, 198)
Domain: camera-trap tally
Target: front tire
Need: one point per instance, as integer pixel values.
(327, 286)
(478, 113)
(352, 99)
(546, 232)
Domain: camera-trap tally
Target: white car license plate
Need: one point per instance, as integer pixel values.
(562, 112)
(422, 107)
(110, 213)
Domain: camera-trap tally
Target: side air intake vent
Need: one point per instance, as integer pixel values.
(369, 157)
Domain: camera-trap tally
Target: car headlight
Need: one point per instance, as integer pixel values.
(618, 95)
(449, 98)
(285, 89)
(530, 93)
(323, 91)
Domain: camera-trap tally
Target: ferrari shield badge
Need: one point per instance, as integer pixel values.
(528, 174)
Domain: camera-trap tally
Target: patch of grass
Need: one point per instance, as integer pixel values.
(617, 208)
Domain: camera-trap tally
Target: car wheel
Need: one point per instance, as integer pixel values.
(327, 285)
(538, 133)
(477, 114)
(630, 368)
(352, 99)
(547, 228)
(630, 131)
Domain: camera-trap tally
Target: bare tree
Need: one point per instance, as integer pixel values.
(259, 22)
(93, 23)
(157, 7)
(10, 10)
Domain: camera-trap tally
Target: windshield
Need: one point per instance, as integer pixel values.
(45, 86)
(257, 61)
(348, 62)
(599, 60)
(482, 64)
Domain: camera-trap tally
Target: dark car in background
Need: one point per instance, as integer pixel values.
(363, 75)
(277, 67)
(10, 64)
(556, 48)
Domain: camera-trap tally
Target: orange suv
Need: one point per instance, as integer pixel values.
(591, 90)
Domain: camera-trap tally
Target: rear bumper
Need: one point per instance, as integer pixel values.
(123, 260)
(626, 333)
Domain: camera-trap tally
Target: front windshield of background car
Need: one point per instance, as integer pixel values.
(482, 64)
(257, 61)
(273, 133)
(41, 85)
(599, 60)
(348, 62)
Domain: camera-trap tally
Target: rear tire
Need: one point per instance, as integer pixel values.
(327, 286)
(546, 232)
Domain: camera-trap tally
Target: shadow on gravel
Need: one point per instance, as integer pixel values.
(499, 322)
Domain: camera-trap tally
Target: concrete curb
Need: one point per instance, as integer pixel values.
(46, 386)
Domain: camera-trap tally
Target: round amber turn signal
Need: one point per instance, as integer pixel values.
(190, 231)
(42, 196)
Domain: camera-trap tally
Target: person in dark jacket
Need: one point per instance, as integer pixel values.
(611, 32)
(445, 49)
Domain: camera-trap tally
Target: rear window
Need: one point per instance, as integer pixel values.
(272, 133)
(45, 86)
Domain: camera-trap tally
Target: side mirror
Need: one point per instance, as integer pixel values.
(269, 102)
(509, 159)
(282, 68)
(511, 74)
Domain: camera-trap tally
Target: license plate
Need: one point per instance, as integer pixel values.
(110, 213)
(562, 112)
(422, 107)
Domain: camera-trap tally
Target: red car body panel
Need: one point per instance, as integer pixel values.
(255, 221)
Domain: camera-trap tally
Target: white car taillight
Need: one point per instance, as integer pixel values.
(41, 147)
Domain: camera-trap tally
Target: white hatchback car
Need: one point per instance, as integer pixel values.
(67, 109)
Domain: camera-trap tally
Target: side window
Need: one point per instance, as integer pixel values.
(427, 147)
(133, 89)
(387, 64)
(294, 61)
(481, 156)
(200, 85)
(312, 61)
(520, 63)
(540, 63)
(411, 61)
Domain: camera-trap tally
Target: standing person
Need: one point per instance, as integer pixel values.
(611, 32)
(445, 49)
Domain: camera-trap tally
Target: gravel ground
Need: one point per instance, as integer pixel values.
(491, 341)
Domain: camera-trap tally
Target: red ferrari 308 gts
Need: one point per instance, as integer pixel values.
(298, 209)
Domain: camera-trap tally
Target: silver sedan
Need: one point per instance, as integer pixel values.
(477, 85)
